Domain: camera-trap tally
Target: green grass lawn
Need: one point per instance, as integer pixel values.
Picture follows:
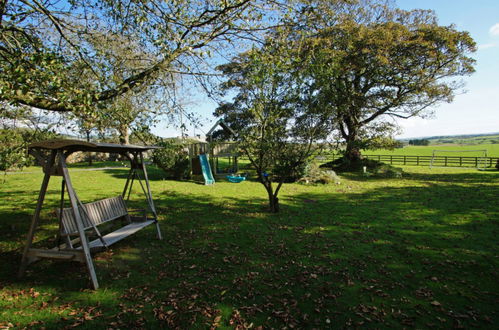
(420, 251)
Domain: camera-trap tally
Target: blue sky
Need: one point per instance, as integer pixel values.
(475, 110)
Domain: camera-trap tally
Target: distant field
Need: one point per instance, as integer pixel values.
(484, 139)
(492, 150)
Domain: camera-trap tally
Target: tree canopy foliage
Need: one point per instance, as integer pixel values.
(377, 62)
(419, 142)
(354, 65)
(52, 56)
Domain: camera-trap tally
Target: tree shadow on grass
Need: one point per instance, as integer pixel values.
(386, 257)
(476, 177)
(17, 211)
(486, 176)
(154, 173)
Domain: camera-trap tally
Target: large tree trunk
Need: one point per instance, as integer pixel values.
(352, 152)
(89, 154)
(124, 135)
(273, 203)
(349, 131)
(272, 195)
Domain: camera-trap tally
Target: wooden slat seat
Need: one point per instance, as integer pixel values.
(97, 213)
(119, 234)
(94, 214)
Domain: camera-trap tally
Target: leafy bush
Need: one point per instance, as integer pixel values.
(373, 167)
(12, 151)
(387, 171)
(315, 174)
(172, 158)
(343, 164)
(13, 146)
(419, 142)
(291, 173)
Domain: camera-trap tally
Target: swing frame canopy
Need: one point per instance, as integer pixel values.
(52, 155)
(78, 145)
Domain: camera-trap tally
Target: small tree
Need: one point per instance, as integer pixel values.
(276, 125)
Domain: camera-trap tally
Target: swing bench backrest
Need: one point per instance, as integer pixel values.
(94, 214)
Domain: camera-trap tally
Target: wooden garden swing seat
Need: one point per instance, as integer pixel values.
(78, 222)
(100, 212)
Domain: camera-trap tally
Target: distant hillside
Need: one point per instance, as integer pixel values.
(465, 139)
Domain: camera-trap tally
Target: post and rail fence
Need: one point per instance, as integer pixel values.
(438, 161)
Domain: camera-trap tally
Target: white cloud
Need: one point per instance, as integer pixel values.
(494, 30)
(487, 46)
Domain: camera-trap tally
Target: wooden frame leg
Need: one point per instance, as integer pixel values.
(158, 230)
(67, 239)
(149, 197)
(132, 180)
(79, 224)
(127, 189)
(34, 223)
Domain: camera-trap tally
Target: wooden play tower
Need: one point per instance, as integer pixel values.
(215, 150)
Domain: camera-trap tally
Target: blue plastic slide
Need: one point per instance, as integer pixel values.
(205, 166)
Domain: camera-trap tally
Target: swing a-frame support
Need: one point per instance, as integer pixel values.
(79, 219)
